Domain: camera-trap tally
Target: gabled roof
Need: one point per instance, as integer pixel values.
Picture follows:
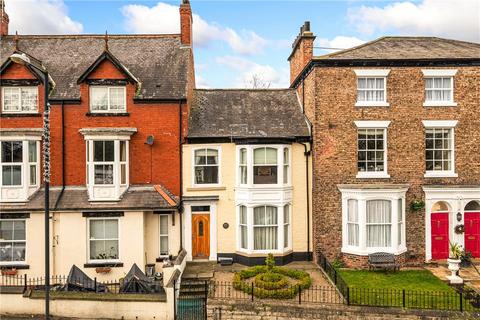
(34, 61)
(159, 62)
(385, 48)
(108, 56)
(246, 114)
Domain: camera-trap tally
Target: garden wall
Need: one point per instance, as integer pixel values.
(226, 310)
(17, 304)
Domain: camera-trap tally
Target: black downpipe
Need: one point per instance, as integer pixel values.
(63, 156)
(180, 149)
(307, 153)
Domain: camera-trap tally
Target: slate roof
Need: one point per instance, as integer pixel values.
(246, 113)
(137, 197)
(159, 62)
(409, 48)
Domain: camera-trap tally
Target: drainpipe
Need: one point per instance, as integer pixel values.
(307, 153)
(180, 151)
(63, 156)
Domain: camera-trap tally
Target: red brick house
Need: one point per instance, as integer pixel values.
(119, 109)
(396, 153)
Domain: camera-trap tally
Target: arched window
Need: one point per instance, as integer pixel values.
(440, 206)
(472, 206)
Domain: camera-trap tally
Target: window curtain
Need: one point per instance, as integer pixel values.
(243, 228)
(352, 223)
(265, 228)
(379, 223)
(400, 221)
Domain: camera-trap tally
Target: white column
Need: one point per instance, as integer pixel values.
(187, 231)
(213, 231)
(394, 205)
(362, 212)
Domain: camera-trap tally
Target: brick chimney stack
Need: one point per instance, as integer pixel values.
(3, 19)
(302, 51)
(185, 22)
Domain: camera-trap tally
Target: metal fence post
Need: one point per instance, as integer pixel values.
(403, 298)
(335, 274)
(95, 283)
(348, 296)
(206, 290)
(252, 291)
(25, 282)
(461, 301)
(299, 294)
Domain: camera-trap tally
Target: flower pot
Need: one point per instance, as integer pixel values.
(103, 270)
(454, 266)
(9, 272)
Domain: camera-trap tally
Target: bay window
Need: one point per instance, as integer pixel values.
(103, 240)
(103, 161)
(373, 219)
(107, 99)
(264, 228)
(20, 99)
(265, 169)
(206, 166)
(12, 241)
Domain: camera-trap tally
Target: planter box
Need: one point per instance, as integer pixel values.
(103, 270)
(9, 272)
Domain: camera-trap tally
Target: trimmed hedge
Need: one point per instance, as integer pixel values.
(271, 281)
(270, 291)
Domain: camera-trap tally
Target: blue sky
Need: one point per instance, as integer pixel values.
(235, 40)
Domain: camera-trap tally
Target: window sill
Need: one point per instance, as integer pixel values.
(20, 115)
(18, 266)
(371, 104)
(441, 175)
(366, 252)
(207, 188)
(439, 104)
(103, 264)
(372, 175)
(107, 114)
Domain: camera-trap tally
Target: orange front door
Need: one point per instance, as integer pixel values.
(201, 236)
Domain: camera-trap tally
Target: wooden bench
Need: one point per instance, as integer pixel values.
(382, 260)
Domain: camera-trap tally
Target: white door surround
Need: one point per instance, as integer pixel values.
(187, 228)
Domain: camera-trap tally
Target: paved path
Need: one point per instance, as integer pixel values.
(469, 275)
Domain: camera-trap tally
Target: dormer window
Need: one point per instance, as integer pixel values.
(107, 162)
(20, 99)
(108, 99)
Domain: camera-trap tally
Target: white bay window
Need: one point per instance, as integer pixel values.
(373, 219)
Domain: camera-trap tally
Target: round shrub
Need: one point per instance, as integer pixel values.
(270, 281)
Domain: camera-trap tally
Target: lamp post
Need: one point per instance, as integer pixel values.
(23, 59)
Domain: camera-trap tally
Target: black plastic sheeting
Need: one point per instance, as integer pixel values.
(77, 280)
(137, 282)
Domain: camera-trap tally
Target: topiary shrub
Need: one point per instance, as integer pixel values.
(271, 282)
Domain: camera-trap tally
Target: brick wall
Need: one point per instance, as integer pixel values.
(335, 140)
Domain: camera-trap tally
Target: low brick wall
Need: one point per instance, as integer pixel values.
(228, 310)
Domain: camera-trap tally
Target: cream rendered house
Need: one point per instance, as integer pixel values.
(246, 177)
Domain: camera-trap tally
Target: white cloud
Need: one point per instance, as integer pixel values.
(164, 18)
(339, 42)
(247, 70)
(201, 82)
(40, 17)
(458, 19)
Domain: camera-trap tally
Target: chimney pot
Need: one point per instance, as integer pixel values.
(307, 25)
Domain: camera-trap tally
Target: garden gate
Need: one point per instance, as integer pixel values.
(192, 301)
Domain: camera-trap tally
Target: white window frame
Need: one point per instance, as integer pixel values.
(250, 228)
(440, 73)
(242, 165)
(20, 102)
(372, 73)
(218, 165)
(286, 166)
(105, 239)
(374, 125)
(362, 196)
(25, 186)
(250, 166)
(442, 124)
(242, 225)
(24, 262)
(160, 235)
(109, 110)
(287, 236)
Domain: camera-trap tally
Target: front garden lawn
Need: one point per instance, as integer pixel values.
(409, 288)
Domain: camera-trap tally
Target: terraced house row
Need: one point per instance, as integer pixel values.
(145, 166)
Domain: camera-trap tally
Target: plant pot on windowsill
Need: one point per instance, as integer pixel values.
(9, 272)
(103, 269)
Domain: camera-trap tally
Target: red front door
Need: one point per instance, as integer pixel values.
(439, 235)
(472, 233)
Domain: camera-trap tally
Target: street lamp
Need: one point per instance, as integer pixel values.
(23, 59)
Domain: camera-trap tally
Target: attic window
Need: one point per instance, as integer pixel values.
(19, 99)
(107, 99)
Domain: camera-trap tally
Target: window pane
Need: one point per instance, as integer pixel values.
(243, 215)
(117, 98)
(429, 83)
(98, 151)
(265, 238)
(163, 224)
(244, 237)
(103, 174)
(243, 174)
(99, 98)
(29, 98)
(123, 174)
(201, 156)
(243, 156)
(271, 156)
(206, 174)
(32, 151)
(259, 216)
(270, 215)
(12, 151)
(12, 175)
(18, 251)
(6, 230)
(212, 156)
(123, 151)
(11, 99)
(33, 175)
(265, 174)
(97, 250)
(111, 229)
(259, 156)
(362, 83)
(19, 230)
(6, 251)
(286, 214)
(164, 245)
(96, 229)
(109, 150)
(378, 223)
